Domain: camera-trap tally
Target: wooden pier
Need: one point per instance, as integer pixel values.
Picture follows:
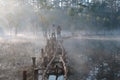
(53, 61)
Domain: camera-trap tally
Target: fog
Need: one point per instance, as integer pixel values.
(22, 28)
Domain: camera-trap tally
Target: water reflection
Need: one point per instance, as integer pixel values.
(52, 77)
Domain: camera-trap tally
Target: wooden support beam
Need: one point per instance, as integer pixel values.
(36, 74)
(24, 75)
(65, 68)
(34, 61)
(42, 53)
(34, 65)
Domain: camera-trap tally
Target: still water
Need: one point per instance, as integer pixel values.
(52, 77)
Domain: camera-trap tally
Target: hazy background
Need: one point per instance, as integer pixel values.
(91, 25)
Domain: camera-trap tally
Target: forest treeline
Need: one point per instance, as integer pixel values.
(21, 15)
(100, 14)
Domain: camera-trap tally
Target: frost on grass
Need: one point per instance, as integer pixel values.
(15, 57)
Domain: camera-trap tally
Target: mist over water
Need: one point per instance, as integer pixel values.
(84, 55)
(21, 37)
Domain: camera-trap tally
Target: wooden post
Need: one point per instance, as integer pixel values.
(34, 65)
(56, 72)
(35, 74)
(34, 61)
(42, 53)
(24, 75)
